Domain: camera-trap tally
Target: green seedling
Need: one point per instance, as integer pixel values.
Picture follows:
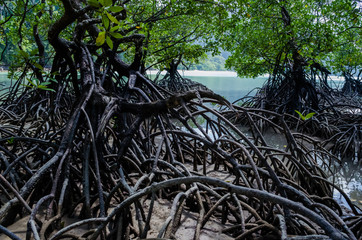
(306, 117)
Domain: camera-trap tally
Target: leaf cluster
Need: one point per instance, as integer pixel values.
(264, 34)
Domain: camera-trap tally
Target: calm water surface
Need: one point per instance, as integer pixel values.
(232, 88)
(4, 81)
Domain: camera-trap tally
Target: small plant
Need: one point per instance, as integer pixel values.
(11, 140)
(36, 84)
(306, 117)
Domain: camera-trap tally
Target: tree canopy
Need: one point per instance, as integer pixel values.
(260, 35)
(166, 30)
(265, 35)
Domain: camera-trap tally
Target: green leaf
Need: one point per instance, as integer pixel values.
(45, 83)
(48, 89)
(309, 115)
(25, 85)
(24, 54)
(109, 42)
(11, 140)
(37, 65)
(105, 21)
(116, 35)
(300, 115)
(114, 28)
(115, 9)
(34, 51)
(94, 3)
(113, 19)
(101, 2)
(107, 3)
(34, 84)
(101, 38)
(43, 87)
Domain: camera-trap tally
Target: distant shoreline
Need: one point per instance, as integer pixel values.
(197, 73)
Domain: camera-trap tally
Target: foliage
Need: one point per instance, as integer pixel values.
(181, 31)
(265, 35)
(36, 84)
(170, 29)
(21, 22)
(102, 137)
(306, 117)
(211, 63)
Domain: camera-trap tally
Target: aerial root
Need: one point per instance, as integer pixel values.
(119, 169)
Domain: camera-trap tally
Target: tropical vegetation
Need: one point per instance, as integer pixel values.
(90, 148)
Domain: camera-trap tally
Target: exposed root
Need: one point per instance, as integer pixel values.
(154, 147)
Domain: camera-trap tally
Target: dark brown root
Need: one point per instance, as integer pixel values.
(176, 149)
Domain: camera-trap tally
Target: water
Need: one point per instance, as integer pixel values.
(226, 84)
(349, 178)
(4, 81)
(230, 87)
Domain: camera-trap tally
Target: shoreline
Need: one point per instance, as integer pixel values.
(198, 73)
